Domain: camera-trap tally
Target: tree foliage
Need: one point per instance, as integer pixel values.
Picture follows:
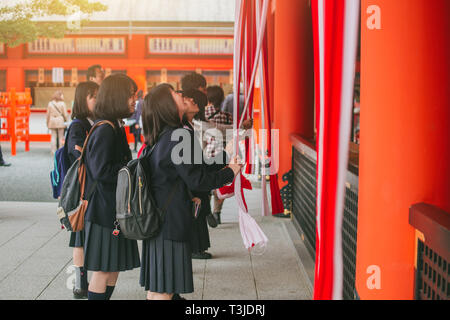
(24, 21)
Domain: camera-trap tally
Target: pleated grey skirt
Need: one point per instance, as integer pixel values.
(166, 266)
(108, 253)
(77, 239)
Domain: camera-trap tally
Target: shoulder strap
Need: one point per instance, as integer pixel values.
(95, 126)
(214, 114)
(83, 124)
(57, 109)
(82, 167)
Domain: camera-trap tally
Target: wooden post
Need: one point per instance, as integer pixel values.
(12, 120)
(293, 77)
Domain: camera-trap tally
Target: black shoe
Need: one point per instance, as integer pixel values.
(4, 164)
(176, 296)
(201, 255)
(212, 222)
(217, 217)
(79, 293)
(282, 215)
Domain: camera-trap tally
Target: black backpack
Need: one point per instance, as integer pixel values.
(136, 211)
(61, 164)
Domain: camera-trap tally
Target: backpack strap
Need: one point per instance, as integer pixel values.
(57, 109)
(82, 167)
(214, 114)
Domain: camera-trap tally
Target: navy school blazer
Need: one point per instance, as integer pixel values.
(165, 174)
(107, 152)
(77, 133)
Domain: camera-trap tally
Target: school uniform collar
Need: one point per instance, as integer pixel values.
(188, 125)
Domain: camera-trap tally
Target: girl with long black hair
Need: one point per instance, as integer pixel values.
(166, 269)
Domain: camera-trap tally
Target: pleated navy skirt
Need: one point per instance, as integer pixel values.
(108, 253)
(166, 266)
(77, 239)
(200, 233)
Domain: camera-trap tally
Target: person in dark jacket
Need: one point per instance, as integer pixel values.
(82, 114)
(107, 151)
(135, 128)
(166, 269)
(3, 163)
(193, 80)
(196, 102)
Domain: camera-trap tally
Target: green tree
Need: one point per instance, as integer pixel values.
(24, 22)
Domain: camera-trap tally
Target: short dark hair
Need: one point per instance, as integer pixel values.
(112, 97)
(159, 111)
(91, 71)
(193, 81)
(200, 99)
(83, 90)
(215, 96)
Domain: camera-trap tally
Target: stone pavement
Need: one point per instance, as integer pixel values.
(35, 260)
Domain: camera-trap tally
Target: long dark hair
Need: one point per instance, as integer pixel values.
(84, 90)
(159, 111)
(112, 97)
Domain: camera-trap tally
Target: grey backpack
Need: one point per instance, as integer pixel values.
(73, 201)
(136, 211)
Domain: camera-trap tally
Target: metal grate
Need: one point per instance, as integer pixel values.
(304, 213)
(304, 197)
(349, 229)
(433, 282)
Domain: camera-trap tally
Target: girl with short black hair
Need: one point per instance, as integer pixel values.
(166, 269)
(105, 253)
(83, 106)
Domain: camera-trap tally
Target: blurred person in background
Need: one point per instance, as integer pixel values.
(135, 128)
(56, 120)
(2, 161)
(96, 74)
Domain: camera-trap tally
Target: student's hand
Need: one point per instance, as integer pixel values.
(197, 200)
(236, 164)
(247, 124)
(230, 147)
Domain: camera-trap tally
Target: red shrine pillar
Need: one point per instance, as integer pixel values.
(405, 136)
(293, 77)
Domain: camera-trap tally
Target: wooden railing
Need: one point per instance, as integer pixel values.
(15, 118)
(432, 276)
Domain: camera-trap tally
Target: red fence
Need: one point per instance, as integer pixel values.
(15, 118)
